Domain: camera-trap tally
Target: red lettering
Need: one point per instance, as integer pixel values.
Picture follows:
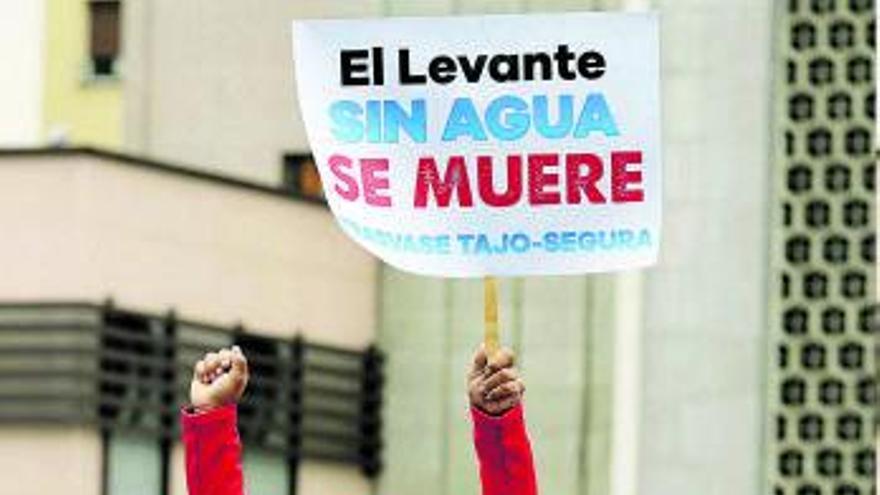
(622, 178)
(374, 183)
(539, 173)
(576, 182)
(338, 164)
(455, 180)
(539, 179)
(485, 181)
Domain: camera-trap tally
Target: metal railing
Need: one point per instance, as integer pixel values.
(116, 369)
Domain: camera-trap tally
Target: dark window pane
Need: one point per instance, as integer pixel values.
(105, 36)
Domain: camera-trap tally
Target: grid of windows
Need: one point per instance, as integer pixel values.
(823, 390)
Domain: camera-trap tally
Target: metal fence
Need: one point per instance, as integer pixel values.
(122, 370)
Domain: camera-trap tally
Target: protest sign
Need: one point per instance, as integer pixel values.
(490, 145)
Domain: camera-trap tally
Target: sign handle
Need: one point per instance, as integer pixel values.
(491, 336)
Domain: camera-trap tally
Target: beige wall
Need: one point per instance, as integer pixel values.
(211, 81)
(84, 227)
(41, 460)
(705, 304)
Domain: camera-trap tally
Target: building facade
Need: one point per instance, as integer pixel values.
(241, 263)
(64, 68)
(822, 394)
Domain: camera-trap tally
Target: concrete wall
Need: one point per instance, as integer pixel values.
(21, 56)
(705, 303)
(560, 329)
(74, 455)
(211, 82)
(86, 228)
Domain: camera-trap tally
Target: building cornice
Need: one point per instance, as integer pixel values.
(161, 166)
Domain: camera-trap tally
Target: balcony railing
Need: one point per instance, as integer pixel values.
(121, 370)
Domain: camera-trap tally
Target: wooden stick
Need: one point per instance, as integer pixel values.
(491, 336)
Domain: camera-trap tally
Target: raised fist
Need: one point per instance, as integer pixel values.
(218, 379)
(494, 386)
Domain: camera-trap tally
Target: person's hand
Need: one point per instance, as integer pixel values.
(218, 379)
(494, 386)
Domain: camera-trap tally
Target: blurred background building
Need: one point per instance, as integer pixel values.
(155, 175)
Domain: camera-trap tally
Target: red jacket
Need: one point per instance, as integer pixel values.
(213, 453)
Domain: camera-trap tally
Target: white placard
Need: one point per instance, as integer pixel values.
(490, 145)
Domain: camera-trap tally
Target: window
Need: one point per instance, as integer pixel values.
(134, 385)
(266, 473)
(265, 364)
(104, 24)
(134, 464)
(301, 177)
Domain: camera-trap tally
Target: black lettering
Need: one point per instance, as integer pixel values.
(350, 69)
(591, 65)
(406, 77)
(442, 69)
(530, 60)
(362, 67)
(473, 72)
(378, 66)
(511, 65)
(563, 58)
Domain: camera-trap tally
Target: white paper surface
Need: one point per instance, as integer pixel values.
(415, 157)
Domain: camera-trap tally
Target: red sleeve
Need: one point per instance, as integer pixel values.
(504, 453)
(213, 452)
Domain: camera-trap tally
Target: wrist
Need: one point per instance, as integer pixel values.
(203, 408)
(506, 420)
(218, 417)
(493, 413)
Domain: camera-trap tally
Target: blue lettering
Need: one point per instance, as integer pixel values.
(508, 118)
(542, 117)
(413, 124)
(463, 121)
(347, 126)
(595, 117)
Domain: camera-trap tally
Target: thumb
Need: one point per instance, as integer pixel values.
(239, 362)
(480, 359)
